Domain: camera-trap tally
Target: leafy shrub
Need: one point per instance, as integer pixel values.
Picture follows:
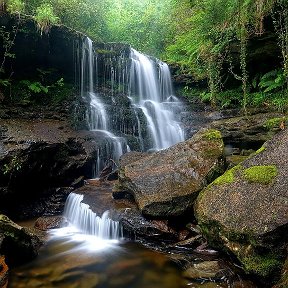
(35, 87)
(15, 6)
(272, 81)
(45, 17)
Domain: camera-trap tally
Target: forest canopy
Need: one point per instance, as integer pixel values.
(208, 40)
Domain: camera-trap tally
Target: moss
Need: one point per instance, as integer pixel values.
(212, 134)
(274, 122)
(261, 174)
(228, 176)
(261, 265)
(261, 149)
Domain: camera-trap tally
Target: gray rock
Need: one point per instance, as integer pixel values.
(167, 182)
(246, 209)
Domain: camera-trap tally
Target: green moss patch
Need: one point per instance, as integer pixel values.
(261, 149)
(261, 265)
(275, 122)
(228, 176)
(261, 174)
(213, 134)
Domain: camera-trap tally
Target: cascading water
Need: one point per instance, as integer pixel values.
(86, 221)
(150, 93)
(96, 115)
(131, 95)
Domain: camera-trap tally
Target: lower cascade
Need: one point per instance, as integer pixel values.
(86, 221)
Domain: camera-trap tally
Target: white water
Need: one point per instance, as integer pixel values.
(96, 115)
(84, 220)
(151, 93)
(147, 84)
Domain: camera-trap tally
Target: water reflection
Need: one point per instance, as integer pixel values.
(71, 260)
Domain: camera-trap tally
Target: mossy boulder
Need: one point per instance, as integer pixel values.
(167, 182)
(245, 209)
(16, 243)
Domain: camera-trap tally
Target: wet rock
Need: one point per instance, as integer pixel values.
(246, 209)
(234, 160)
(206, 269)
(38, 157)
(16, 243)
(167, 182)
(139, 227)
(132, 157)
(3, 272)
(46, 223)
(193, 241)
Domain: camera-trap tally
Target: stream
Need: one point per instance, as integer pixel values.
(77, 260)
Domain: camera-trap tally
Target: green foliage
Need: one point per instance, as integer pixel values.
(213, 134)
(261, 174)
(274, 122)
(35, 87)
(5, 82)
(15, 6)
(14, 165)
(45, 17)
(8, 38)
(273, 80)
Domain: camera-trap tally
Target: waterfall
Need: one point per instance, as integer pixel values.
(96, 114)
(130, 98)
(86, 221)
(150, 93)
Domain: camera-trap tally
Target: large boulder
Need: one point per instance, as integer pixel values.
(16, 243)
(246, 209)
(167, 182)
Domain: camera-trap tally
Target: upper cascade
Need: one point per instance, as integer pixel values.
(152, 92)
(131, 100)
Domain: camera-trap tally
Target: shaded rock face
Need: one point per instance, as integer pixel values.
(247, 132)
(167, 182)
(246, 208)
(16, 243)
(36, 158)
(33, 50)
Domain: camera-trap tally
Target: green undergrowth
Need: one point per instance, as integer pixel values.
(233, 98)
(275, 122)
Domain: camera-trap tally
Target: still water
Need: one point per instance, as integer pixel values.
(73, 260)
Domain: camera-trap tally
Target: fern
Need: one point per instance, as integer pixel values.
(35, 87)
(273, 80)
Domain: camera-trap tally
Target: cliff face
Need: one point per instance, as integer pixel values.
(32, 51)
